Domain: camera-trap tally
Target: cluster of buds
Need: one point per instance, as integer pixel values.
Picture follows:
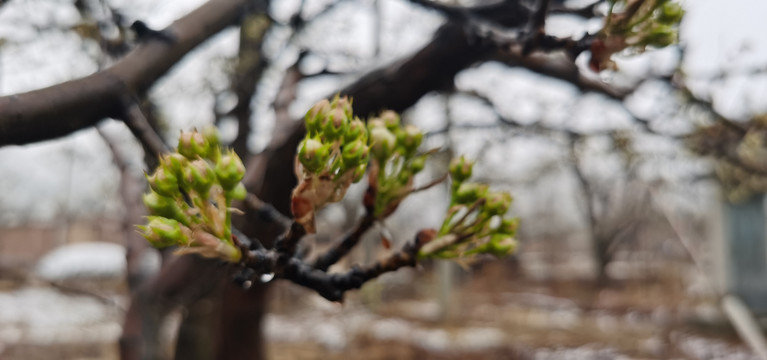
(635, 24)
(395, 160)
(333, 155)
(190, 195)
(476, 221)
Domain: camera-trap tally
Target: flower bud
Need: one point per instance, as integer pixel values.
(382, 142)
(193, 144)
(159, 205)
(239, 192)
(210, 133)
(375, 122)
(164, 182)
(164, 232)
(315, 115)
(230, 170)
(497, 203)
(313, 155)
(468, 193)
(199, 176)
(410, 139)
(508, 226)
(417, 164)
(174, 163)
(359, 172)
(661, 36)
(460, 169)
(670, 13)
(354, 154)
(344, 104)
(356, 130)
(502, 245)
(334, 125)
(390, 119)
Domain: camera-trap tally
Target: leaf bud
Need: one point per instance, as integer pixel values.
(229, 170)
(460, 169)
(193, 144)
(313, 155)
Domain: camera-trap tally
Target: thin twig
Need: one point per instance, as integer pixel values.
(134, 118)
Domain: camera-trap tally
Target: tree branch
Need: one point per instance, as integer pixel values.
(73, 105)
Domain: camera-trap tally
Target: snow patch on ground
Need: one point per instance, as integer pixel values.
(96, 260)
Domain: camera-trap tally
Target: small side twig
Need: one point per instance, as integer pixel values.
(134, 118)
(266, 211)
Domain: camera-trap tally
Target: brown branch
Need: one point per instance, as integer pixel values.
(73, 105)
(150, 140)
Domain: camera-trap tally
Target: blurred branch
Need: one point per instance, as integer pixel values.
(73, 105)
(150, 140)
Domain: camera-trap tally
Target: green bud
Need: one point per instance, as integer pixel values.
(661, 36)
(164, 232)
(354, 154)
(239, 192)
(417, 164)
(410, 139)
(460, 169)
(162, 206)
(359, 172)
(356, 130)
(174, 163)
(313, 155)
(199, 176)
(164, 182)
(375, 122)
(670, 13)
(404, 177)
(390, 119)
(334, 125)
(508, 226)
(315, 115)
(497, 203)
(192, 145)
(502, 245)
(468, 193)
(382, 142)
(210, 133)
(229, 170)
(344, 104)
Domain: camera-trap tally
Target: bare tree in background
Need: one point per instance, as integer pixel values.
(511, 32)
